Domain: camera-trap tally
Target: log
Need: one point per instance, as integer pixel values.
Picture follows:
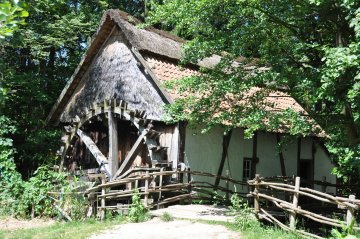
(100, 158)
(295, 204)
(256, 196)
(113, 144)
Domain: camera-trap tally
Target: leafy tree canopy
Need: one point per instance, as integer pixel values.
(36, 60)
(312, 49)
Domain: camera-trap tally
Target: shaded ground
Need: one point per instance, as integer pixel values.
(10, 223)
(177, 229)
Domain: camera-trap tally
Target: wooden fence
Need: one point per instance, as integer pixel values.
(286, 197)
(158, 187)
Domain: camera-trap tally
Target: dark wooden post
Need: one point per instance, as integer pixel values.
(295, 203)
(256, 196)
(323, 187)
(227, 187)
(113, 144)
(189, 184)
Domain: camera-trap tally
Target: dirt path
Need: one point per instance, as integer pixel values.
(177, 229)
(10, 223)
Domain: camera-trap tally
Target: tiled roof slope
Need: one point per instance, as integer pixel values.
(166, 70)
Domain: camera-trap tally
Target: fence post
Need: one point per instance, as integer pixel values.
(102, 212)
(146, 197)
(188, 175)
(256, 196)
(295, 203)
(350, 212)
(160, 186)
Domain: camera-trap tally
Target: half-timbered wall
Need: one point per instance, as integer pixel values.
(203, 153)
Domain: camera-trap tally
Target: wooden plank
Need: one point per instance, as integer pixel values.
(113, 144)
(225, 145)
(281, 157)
(254, 158)
(100, 158)
(137, 147)
(298, 155)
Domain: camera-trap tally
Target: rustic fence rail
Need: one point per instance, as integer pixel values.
(152, 184)
(266, 191)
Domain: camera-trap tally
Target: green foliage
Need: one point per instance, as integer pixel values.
(12, 14)
(245, 218)
(137, 212)
(166, 217)
(347, 232)
(311, 51)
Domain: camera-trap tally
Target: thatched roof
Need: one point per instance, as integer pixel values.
(148, 40)
(159, 52)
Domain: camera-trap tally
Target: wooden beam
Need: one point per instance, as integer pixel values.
(137, 147)
(226, 142)
(298, 155)
(113, 144)
(100, 158)
(281, 156)
(254, 159)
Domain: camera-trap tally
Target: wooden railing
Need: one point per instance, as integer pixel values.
(288, 201)
(158, 187)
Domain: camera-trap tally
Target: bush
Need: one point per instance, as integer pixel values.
(137, 212)
(166, 217)
(245, 217)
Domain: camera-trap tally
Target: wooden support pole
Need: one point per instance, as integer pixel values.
(323, 187)
(146, 197)
(281, 156)
(256, 196)
(113, 144)
(188, 175)
(226, 141)
(227, 188)
(254, 158)
(102, 211)
(350, 212)
(295, 204)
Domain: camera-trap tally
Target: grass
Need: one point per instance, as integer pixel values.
(257, 231)
(166, 217)
(69, 230)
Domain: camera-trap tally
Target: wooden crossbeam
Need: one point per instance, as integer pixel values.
(130, 157)
(100, 158)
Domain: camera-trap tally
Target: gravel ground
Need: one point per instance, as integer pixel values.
(177, 229)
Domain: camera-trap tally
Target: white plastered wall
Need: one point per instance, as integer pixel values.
(203, 153)
(322, 167)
